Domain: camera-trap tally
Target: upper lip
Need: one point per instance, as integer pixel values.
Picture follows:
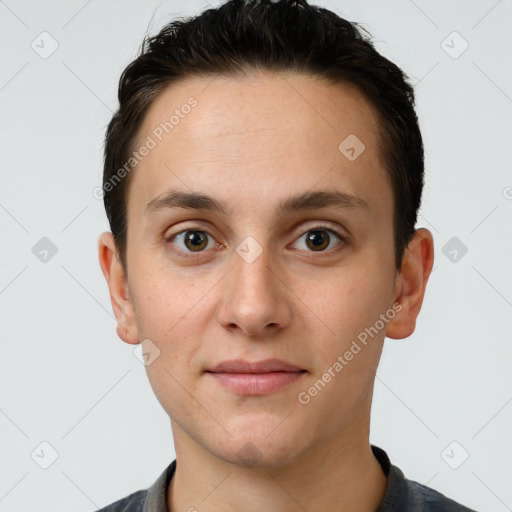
(266, 366)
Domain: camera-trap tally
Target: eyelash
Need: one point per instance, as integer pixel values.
(190, 254)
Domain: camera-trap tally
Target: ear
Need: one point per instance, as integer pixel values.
(118, 289)
(411, 282)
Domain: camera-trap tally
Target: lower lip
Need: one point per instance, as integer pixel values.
(256, 383)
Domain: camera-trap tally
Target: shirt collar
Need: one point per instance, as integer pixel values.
(156, 497)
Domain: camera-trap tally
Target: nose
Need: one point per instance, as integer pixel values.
(255, 299)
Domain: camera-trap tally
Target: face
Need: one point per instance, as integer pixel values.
(290, 258)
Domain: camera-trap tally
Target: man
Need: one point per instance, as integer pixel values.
(262, 180)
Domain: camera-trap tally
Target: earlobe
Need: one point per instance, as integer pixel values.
(118, 289)
(411, 283)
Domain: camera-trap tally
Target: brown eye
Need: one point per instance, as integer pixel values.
(192, 240)
(195, 240)
(317, 239)
(320, 239)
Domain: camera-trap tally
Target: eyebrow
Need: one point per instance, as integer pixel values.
(304, 201)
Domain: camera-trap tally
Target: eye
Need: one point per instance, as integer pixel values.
(194, 240)
(319, 239)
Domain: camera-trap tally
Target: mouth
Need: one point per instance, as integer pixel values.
(256, 378)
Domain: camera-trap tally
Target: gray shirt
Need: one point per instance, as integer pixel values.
(402, 494)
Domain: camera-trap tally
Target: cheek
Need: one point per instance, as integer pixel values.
(177, 334)
(162, 318)
(175, 310)
(347, 303)
(165, 301)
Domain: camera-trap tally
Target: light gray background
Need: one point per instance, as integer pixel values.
(68, 380)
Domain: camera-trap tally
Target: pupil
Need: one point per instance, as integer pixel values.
(196, 238)
(319, 239)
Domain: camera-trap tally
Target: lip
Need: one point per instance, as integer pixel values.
(265, 366)
(255, 378)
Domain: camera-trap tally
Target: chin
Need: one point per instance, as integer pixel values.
(266, 444)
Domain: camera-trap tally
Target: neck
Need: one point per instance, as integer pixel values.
(341, 474)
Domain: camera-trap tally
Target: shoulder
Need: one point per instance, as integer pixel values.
(434, 501)
(152, 499)
(408, 495)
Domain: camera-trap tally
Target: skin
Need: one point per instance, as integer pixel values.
(252, 142)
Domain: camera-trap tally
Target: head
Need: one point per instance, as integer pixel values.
(262, 179)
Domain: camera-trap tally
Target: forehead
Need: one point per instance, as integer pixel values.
(261, 101)
(255, 135)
